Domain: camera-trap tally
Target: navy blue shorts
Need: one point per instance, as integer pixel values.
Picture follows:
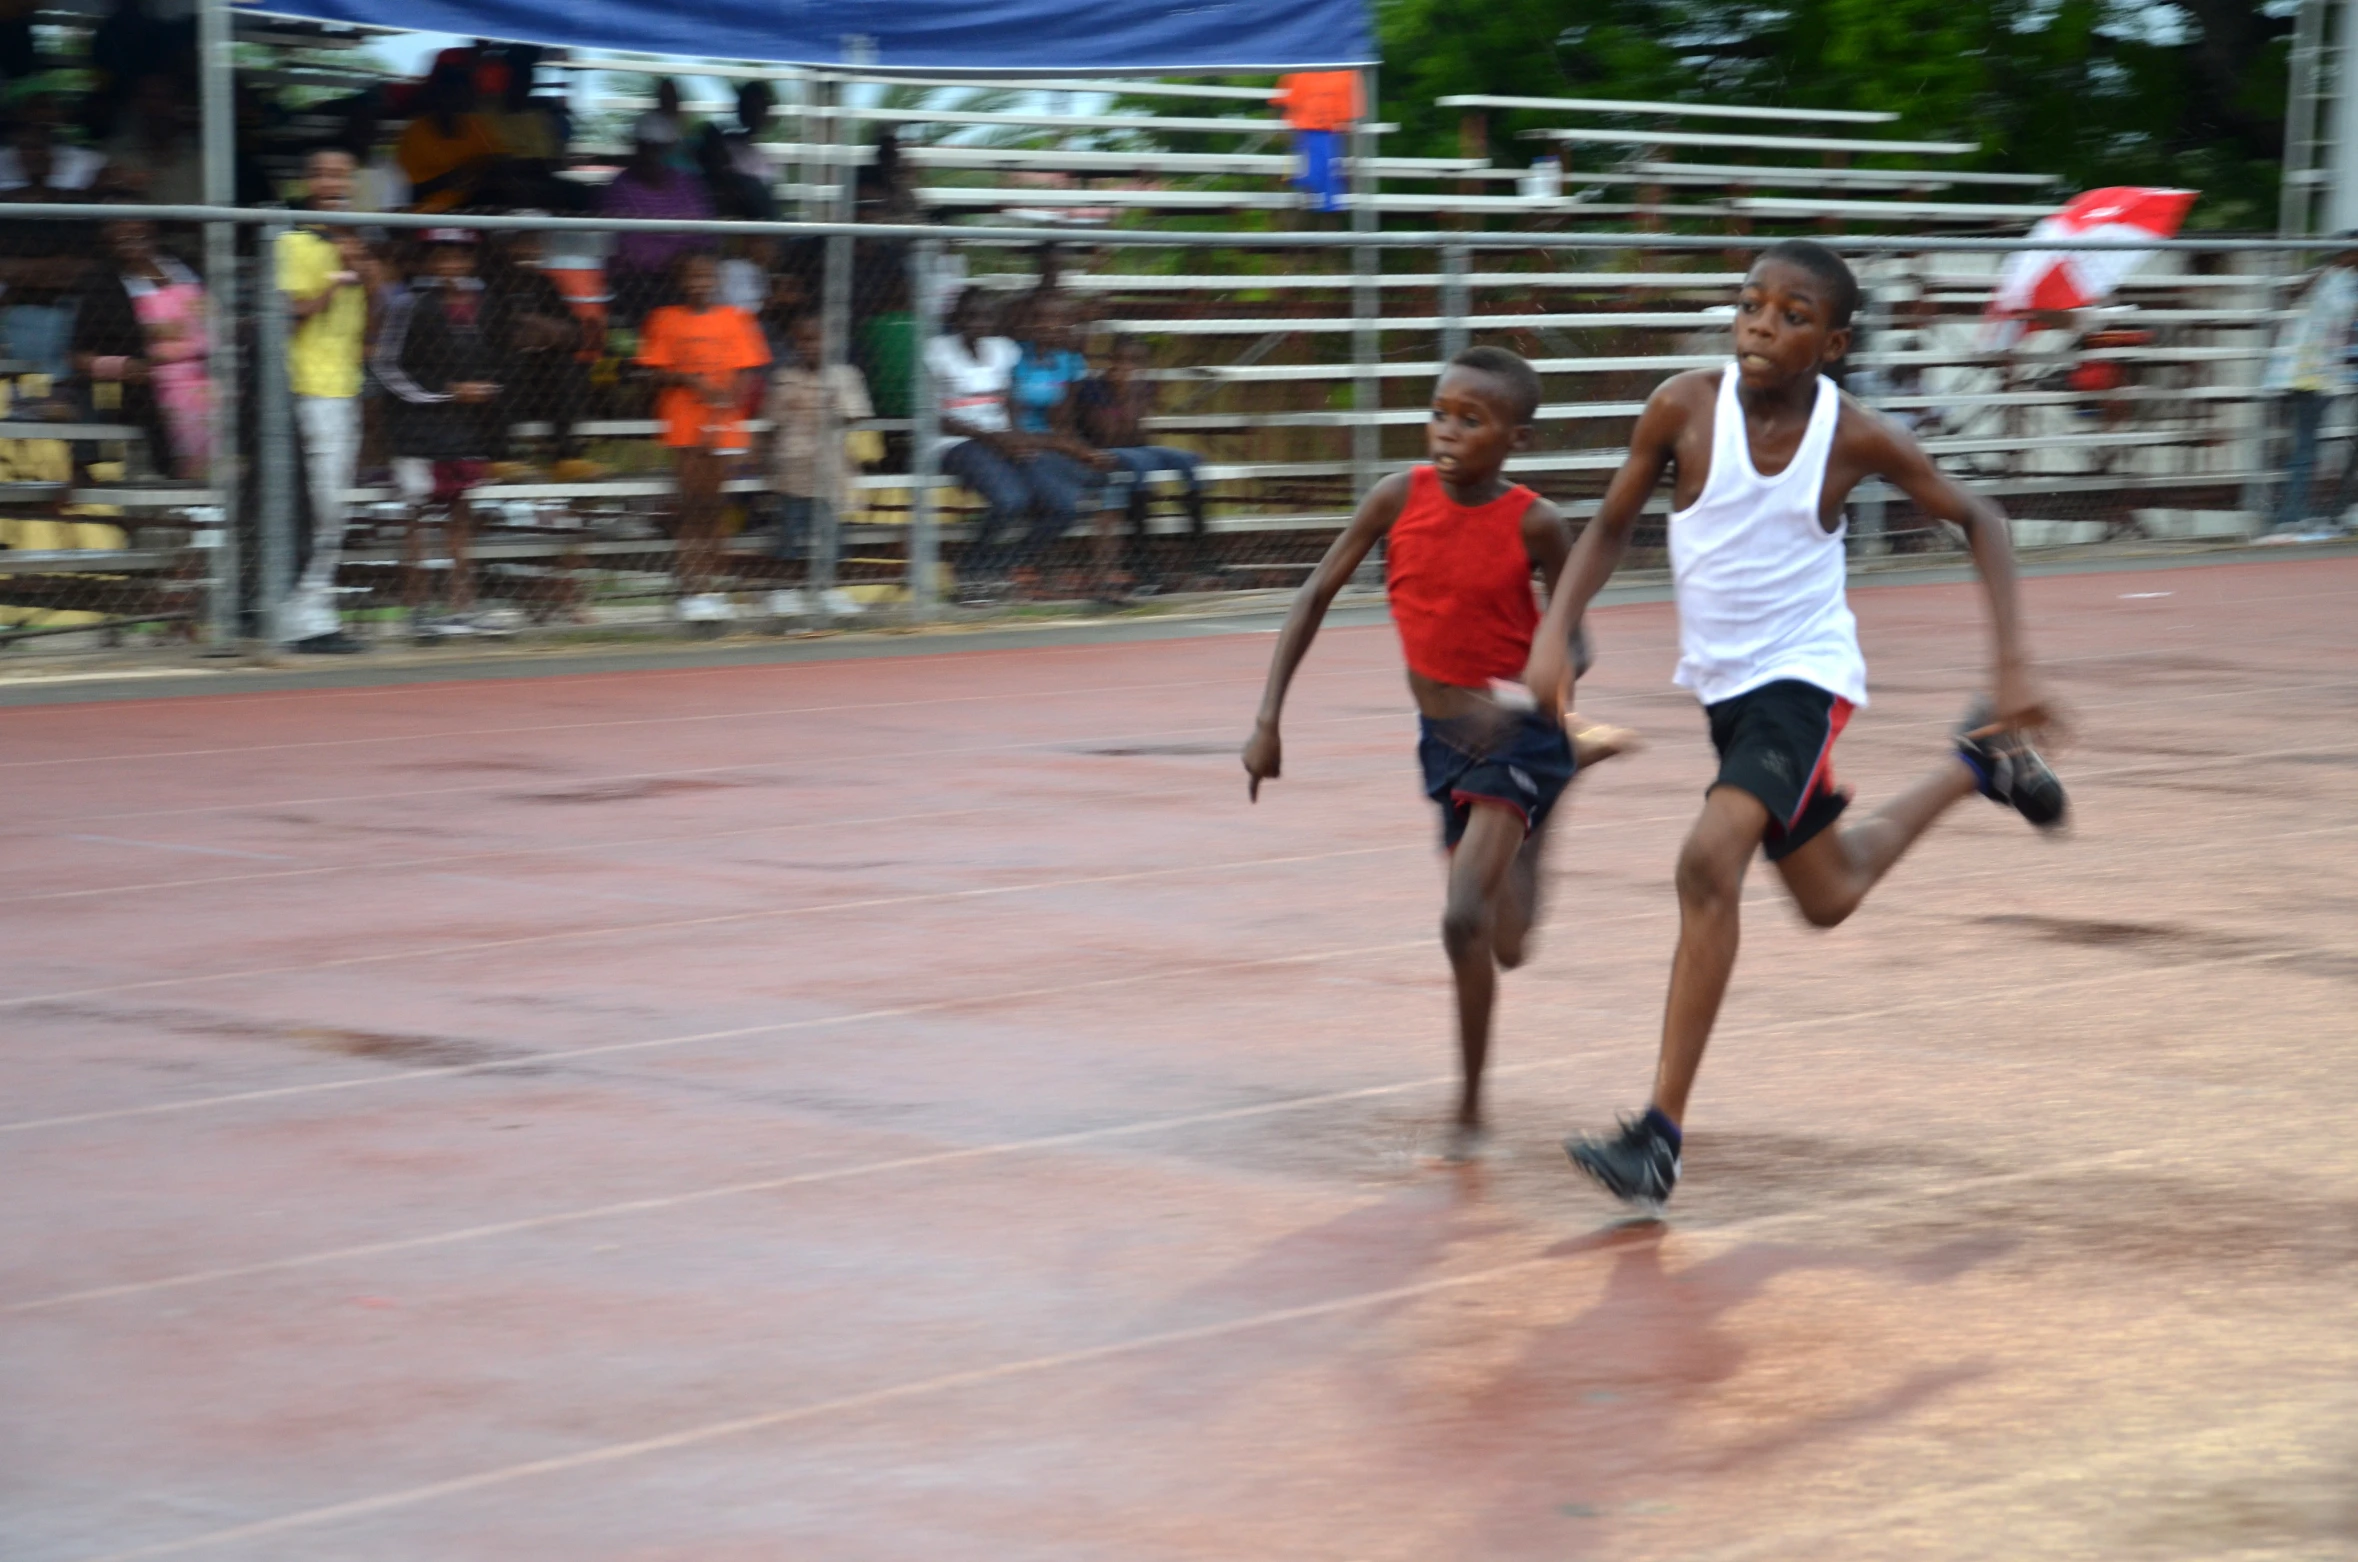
(1517, 758)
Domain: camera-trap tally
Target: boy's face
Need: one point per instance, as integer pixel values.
(450, 261)
(1473, 427)
(699, 280)
(1785, 327)
(809, 343)
(328, 177)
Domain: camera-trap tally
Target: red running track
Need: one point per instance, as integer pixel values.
(912, 1108)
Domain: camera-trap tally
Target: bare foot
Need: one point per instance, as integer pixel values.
(1593, 741)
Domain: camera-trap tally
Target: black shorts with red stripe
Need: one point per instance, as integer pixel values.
(1519, 760)
(1777, 743)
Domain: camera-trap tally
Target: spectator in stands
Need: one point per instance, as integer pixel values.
(1114, 408)
(139, 339)
(807, 405)
(434, 358)
(328, 275)
(650, 187)
(43, 265)
(887, 334)
(449, 151)
(1043, 398)
(539, 342)
(971, 370)
(2311, 367)
(154, 156)
(882, 191)
(735, 163)
(530, 135)
(706, 357)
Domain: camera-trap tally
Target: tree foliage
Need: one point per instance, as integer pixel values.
(2186, 92)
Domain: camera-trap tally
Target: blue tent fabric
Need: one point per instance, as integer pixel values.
(906, 35)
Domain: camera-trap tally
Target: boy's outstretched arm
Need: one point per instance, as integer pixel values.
(1548, 672)
(1263, 754)
(1892, 452)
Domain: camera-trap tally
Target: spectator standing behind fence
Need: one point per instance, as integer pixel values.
(1114, 408)
(434, 358)
(43, 265)
(328, 276)
(735, 164)
(539, 343)
(808, 405)
(650, 187)
(139, 338)
(705, 356)
(2312, 366)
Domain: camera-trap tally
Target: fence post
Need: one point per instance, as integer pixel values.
(227, 473)
(925, 547)
(835, 299)
(1453, 300)
(274, 445)
(1367, 301)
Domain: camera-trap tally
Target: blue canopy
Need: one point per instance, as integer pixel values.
(1000, 36)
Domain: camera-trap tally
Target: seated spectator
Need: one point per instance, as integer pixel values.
(1114, 408)
(705, 356)
(434, 358)
(1017, 478)
(806, 405)
(538, 343)
(139, 339)
(531, 135)
(449, 151)
(154, 155)
(735, 163)
(649, 187)
(38, 164)
(886, 336)
(1044, 400)
(43, 265)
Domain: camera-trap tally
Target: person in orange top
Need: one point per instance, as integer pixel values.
(707, 359)
(448, 152)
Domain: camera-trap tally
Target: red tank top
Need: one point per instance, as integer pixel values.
(1460, 583)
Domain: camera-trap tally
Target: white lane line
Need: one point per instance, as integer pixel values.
(1753, 1031)
(173, 846)
(948, 1382)
(651, 1043)
(674, 924)
(1757, 892)
(757, 713)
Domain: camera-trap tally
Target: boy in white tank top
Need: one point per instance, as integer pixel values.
(1765, 451)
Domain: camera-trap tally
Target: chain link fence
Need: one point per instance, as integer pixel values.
(457, 427)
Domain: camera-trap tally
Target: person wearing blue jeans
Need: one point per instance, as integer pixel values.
(1067, 473)
(1115, 406)
(2312, 366)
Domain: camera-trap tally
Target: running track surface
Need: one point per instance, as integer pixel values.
(914, 1109)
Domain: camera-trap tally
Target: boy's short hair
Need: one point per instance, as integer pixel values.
(1842, 288)
(1522, 380)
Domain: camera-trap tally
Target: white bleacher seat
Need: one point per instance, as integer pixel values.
(1601, 136)
(1813, 116)
(1760, 173)
(1044, 121)
(1896, 211)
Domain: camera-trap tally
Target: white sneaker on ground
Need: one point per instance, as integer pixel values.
(707, 608)
(792, 602)
(839, 603)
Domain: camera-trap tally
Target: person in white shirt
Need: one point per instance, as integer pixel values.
(2311, 366)
(972, 372)
(1765, 451)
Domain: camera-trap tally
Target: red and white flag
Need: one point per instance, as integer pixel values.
(2073, 279)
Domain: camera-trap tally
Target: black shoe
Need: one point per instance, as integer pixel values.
(2009, 771)
(334, 643)
(1638, 1166)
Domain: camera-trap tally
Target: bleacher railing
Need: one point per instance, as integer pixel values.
(1257, 383)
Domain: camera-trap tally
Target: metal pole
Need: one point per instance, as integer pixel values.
(925, 545)
(2304, 169)
(835, 337)
(273, 437)
(220, 155)
(1453, 300)
(1367, 305)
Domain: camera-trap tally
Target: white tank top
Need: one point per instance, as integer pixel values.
(1759, 578)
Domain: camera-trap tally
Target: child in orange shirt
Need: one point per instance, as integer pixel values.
(707, 359)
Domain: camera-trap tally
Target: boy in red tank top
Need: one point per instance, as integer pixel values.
(1463, 543)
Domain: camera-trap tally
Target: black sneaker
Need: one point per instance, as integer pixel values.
(334, 643)
(2009, 771)
(1638, 1166)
